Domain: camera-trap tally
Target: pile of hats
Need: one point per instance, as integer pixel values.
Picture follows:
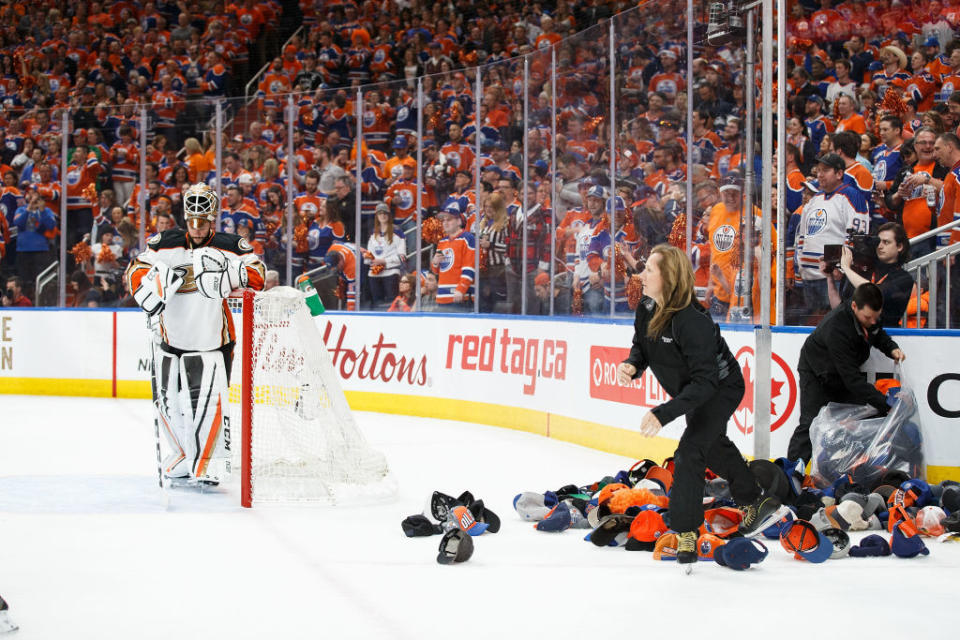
(458, 519)
(630, 509)
(818, 526)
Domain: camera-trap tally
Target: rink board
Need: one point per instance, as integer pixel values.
(553, 378)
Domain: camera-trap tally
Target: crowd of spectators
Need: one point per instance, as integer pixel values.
(871, 83)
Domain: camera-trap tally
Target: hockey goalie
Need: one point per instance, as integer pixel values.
(181, 281)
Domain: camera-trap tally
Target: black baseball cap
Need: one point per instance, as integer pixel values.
(419, 525)
(455, 546)
(834, 161)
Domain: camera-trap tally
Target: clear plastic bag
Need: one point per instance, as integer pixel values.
(847, 440)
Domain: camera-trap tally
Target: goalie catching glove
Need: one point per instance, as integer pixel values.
(217, 275)
(156, 288)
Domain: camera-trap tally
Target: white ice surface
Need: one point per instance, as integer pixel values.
(88, 551)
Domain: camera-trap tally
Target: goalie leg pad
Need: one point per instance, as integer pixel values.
(168, 405)
(203, 379)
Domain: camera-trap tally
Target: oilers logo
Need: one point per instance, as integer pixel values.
(246, 19)
(276, 86)
(880, 170)
(379, 55)
(724, 237)
(453, 159)
(446, 260)
(404, 199)
(816, 222)
(667, 86)
(73, 177)
(369, 118)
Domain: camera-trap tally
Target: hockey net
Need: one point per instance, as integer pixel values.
(298, 440)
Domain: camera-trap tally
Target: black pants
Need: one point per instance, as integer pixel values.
(383, 289)
(814, 395)
(704, 443)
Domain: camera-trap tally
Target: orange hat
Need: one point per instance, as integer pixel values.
(623, 499)
(645, 529)
(541, 280)
(666, 547)
(662, 476)
(885, 384)
(607, 492)
(707, 544)
(721, 521)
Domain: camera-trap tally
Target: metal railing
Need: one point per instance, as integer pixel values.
(927, 272)
(48, 276)
(255, 80)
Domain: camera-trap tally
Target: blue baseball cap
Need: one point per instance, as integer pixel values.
(739, 553)
(906, 544)
(871, 546)
(399, 142)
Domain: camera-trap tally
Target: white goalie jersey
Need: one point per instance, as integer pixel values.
(195, 316)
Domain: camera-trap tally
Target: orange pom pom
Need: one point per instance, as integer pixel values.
(342, 289)
(576, 306)
(483, 259)
(105, 255)
(619, 264)
(634, 291)
(432, 231)
(678, 234)
(300, 243)
(90, 192)
(82, 252)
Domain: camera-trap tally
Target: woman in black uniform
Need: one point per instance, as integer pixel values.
(677, 339)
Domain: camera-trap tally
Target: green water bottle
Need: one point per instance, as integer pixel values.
(311, 296)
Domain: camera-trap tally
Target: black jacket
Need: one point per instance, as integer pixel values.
(690, 359)
(838, 347)
(895, 284)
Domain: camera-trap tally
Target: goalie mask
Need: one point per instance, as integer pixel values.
(200, 203)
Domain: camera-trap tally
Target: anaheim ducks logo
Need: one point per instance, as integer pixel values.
(244, 245)
(153, 240)
(189, 285)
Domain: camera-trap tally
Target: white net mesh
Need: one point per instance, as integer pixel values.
(305, 444)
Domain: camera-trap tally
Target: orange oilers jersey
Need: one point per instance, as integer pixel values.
(668, 83)
(272, 85)
(80, 174)
(724, 237)
(307, 205)
(455, 272)
(348, 270)
(402, 196)
(125, 161)
(191, 321)
(853, 123)
(917, 215)
(948, 206)
(459, 156)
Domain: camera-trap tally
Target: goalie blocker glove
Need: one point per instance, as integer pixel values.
(156, 288)
(217, 275)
